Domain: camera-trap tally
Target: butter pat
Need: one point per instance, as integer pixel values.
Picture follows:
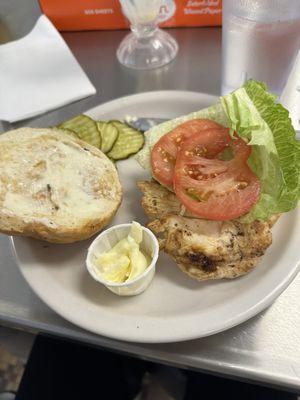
(125, 261)
(123, 258)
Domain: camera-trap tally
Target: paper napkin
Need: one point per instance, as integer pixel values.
(39, 73)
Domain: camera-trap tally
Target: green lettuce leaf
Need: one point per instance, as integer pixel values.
(253, 113)
(275, 156)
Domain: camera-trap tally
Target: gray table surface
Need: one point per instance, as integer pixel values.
(265, 349)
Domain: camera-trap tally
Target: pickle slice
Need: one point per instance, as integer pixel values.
(129, 141)
(109, 134)
(85, 128)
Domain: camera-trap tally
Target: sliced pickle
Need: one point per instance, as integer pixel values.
(109, 134)
(85, 128)
(129, 141)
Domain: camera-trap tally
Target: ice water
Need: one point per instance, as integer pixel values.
(263, 51)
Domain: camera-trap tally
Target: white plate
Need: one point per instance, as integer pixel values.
(175, 307)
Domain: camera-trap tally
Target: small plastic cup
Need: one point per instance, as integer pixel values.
(108, 239)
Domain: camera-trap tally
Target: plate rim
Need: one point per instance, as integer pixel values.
(150, 94)
(166, 338)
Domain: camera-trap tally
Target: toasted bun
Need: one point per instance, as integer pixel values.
(55, 187)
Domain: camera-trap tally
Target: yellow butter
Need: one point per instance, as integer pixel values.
(124, 261)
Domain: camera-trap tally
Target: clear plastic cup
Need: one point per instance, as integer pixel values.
(260, 40)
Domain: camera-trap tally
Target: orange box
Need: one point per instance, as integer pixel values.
(76, 15)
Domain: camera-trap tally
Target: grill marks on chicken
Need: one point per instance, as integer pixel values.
(204, 249)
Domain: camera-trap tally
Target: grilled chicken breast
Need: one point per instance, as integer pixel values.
(204, 249)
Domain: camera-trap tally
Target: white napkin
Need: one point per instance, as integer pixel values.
(39, 73)
(290, 96)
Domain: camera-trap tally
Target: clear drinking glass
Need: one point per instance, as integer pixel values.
(146, 46)
(260, 40)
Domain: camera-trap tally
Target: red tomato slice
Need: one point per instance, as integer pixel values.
(210, 187)
(164, 152)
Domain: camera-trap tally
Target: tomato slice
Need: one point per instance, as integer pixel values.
(213, 188)
(164, 152)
